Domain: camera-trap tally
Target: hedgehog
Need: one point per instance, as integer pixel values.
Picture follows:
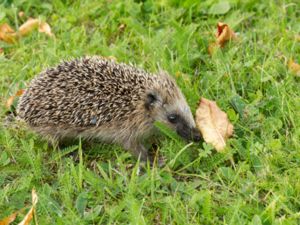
(97, 98)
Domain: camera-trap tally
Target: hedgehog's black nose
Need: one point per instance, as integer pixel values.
(188, 133)
(196, 136)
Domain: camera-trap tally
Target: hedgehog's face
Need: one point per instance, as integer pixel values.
(174, 112)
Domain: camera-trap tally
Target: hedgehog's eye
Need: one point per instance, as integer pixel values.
(173, 118)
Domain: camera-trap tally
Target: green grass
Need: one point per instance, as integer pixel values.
(257, 179)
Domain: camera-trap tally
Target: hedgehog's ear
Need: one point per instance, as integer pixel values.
(151, 99)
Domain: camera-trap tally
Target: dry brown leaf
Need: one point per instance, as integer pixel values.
(30, 213)
(45, 28)
(7, 34)
(223, 35)
(9, 219)
(28, 26)
(11, 99)
(294, 67)
(213, 124)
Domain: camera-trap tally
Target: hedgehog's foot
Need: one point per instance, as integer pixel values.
(139, 151)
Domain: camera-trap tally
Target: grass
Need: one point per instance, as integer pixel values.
(257, 179)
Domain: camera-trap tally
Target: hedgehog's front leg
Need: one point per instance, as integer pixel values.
(138, 150)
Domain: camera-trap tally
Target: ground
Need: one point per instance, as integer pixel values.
(255, 181)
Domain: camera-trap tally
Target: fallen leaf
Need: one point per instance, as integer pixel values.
(213, 124)
(7, 34)
(28, 26)
(11, 99)
(223, 35)
(26, 220)
(9, 219)
(45, 28)
(1, 51)
(19, 92)
(31, 212)
(294, 67)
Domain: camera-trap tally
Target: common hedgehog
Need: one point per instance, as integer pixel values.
(93, 97)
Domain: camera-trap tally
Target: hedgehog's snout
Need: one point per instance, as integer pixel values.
(188, 133)
(196, 136)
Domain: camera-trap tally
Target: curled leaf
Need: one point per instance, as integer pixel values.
(7, 34)
(45, 28)
(223, 35)
(30, 213)
(294, 67)
(28, 26)
(8, 220)
(213, 124)
(28, 217)
(32, 24)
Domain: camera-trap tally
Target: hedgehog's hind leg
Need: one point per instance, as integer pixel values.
(56, 137)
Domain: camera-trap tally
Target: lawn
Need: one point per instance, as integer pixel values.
(256, 180)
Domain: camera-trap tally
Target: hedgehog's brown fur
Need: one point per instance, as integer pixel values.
(93, 97)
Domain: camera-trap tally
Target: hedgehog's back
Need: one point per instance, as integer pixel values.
(86, 92)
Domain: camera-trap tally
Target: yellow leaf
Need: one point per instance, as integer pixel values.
(29, 215)
(9, 219)
(28, 26)
(294, 67)
(7, 34)
(45, 28)
(213, 124)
